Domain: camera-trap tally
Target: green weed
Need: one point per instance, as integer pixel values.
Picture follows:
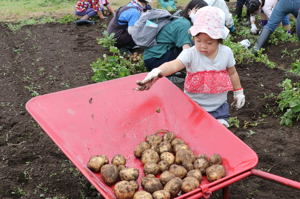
(296, 67)
(289, 102)
(234, 122)
(115, 64)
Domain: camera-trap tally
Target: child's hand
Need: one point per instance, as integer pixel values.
(149, 80)
(238, 99)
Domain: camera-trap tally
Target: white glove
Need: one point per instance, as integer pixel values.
(253, 29)
(149, 80)
(238, 99)
(246, 43)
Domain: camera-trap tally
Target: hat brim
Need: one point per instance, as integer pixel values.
(219, 33)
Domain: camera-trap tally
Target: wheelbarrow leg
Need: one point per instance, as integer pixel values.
(226, 192)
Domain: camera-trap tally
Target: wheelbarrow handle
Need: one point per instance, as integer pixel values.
(279, 179)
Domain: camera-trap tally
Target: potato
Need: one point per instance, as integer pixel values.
(178, 147)
(142, 195)
(96, 162)
(163, 165)
(178, 171)
(215, 159)
(196, 173)
(120, 167)
(215, 172)
(118, 160)
(173, 186)
(161, 194)
(129, 174)
(189, 184)
(110, 174)
(150, 155)
(151, 168)
(151, 184)
(165, 147)
(125, 189)
(177, 141)
(167, 156)
(139, 149)
(168, 137)
(184, 156)
(188, 165)
(201, 164)
(166, 176)
(154, 140)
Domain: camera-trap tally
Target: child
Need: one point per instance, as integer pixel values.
(88, 8)
(106, 3)
(209, 65)
(264, 8)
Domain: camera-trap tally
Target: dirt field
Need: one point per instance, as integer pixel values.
(46, 58)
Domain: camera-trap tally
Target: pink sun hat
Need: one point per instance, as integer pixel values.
(210, 20)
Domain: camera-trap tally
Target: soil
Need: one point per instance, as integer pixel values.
(41, 59)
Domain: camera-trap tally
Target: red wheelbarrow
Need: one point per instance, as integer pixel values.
(113, 118)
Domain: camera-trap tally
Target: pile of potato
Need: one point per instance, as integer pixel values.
(170, 168)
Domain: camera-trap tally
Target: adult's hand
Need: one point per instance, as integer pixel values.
(149, 80)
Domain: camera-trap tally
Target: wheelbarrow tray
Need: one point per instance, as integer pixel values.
(113, 118)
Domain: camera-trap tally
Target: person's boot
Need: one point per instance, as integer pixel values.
(264, 36)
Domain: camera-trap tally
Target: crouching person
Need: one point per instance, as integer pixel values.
(88, 8)
(124, 20)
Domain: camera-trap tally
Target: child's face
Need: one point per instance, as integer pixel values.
(206, 45)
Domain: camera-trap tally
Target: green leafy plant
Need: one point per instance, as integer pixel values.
(296, 67)
(281, 35)
(234, 122)
(289, 102)
(114, 64)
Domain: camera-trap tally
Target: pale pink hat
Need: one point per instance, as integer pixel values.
(210, 20)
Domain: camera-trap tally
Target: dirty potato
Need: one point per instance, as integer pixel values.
(151, 168)
(129, 174)
(189, 184)
(167, 156)
(215, 159)
(168, 137)
(139, 149)
(120, 167)
(163, 165)
(184, 156)
(118, 160)
(110, 174)
(215, 172)
(178, 170)
(142, 195)
(176, 141)
(201, 164)
(178, 147)
(165, 147)
(151, 184)
(196, 173)
(150, 155)
(166, 176)
(173, 186)
(188, 165)
(154, 139)
(161, 194)
(125, 189)
(96, 162)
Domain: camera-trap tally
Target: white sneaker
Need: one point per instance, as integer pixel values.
(224, 122)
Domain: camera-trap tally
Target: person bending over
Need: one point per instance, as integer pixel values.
(282, 8)
(124, 20)
(264, 9)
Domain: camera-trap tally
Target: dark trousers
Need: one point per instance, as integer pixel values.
(168, 56)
